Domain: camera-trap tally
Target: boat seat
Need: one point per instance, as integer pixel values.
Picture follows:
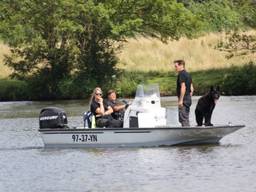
(89, 120)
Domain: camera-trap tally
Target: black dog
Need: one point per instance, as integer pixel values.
(205, 106)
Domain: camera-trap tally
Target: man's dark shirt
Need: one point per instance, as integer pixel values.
(111, 103)
(184, 77)
(115, 114)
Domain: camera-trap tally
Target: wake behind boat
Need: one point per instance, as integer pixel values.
(145, 125)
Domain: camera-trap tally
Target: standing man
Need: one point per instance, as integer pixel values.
(184, 92)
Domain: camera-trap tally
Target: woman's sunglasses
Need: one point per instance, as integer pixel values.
(98, 94)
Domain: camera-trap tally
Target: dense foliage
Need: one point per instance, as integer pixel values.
(232, 81)
(52, 40)
(64, 48)
(13, 90)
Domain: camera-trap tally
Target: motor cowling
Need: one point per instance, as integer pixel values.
(52, 117)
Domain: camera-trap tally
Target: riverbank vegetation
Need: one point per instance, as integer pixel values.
(236, 80)
(63, 49)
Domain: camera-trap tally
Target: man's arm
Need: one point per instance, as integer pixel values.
(191, 89)
(118, 107)
(109, 111)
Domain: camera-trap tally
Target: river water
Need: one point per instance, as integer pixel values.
(25, 166)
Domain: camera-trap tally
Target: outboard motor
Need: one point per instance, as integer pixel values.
(52, 117)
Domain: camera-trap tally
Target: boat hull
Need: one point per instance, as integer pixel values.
(135, 137)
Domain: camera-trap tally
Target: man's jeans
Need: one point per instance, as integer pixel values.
(184, 116)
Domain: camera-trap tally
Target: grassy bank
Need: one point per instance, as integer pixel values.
(145, 60)
(232, 81)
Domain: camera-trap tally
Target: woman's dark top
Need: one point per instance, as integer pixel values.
(106, 120)
(95, 105)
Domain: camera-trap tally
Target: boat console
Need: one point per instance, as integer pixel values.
(145, 110)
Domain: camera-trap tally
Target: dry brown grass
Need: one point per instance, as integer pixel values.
(4, 70)
(145, 54)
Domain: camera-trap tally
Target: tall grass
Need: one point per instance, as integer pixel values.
(146, 54)
(4, 70)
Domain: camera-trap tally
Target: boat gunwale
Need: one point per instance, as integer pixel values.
(102, 130)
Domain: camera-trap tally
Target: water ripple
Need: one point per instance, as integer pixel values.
(26, 166)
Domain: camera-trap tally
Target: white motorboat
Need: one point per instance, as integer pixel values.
(145, 125)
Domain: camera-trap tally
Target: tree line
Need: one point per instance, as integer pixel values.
(64, 48)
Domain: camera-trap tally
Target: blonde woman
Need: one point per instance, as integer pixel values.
(102, 111)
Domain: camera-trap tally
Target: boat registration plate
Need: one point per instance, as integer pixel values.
(78, 138)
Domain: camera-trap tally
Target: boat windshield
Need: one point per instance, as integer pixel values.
(145, 109)
(151, 90)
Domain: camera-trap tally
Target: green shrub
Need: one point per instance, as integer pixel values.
(203, 80)
(240, 80)
(127, 83)
(12, 90)
(232, 81)
(75, 89)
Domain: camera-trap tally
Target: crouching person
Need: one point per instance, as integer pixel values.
(102, 111)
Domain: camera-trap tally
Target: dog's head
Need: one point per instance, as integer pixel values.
(215, 93)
